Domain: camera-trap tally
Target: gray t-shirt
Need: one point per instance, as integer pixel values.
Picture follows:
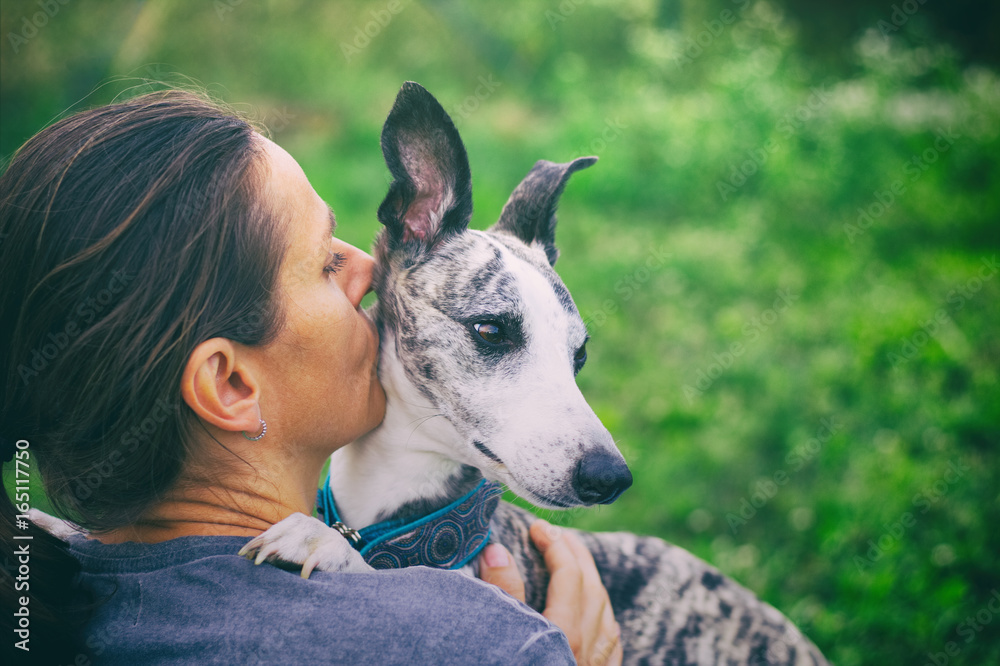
(192, 600)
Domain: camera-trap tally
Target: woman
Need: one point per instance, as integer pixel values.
(184, 348)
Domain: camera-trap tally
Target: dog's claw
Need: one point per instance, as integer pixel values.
(308, 566)
(299, 539)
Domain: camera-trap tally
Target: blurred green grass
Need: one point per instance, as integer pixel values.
(865, 536)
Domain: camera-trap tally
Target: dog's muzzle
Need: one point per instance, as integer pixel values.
(600, 478)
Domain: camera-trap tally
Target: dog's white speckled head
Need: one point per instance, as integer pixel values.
(480, 323)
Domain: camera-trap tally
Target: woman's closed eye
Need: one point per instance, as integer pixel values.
(336, 263)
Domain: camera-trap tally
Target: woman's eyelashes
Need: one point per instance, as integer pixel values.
(336, 263)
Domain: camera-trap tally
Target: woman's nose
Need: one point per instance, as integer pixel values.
(361, 266)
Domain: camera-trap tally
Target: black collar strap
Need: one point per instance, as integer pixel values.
(447, 539)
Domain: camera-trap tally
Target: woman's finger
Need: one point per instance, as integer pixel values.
(577, 601)
(591, 577)
(609, 652)
(496, 566)
(566, 582)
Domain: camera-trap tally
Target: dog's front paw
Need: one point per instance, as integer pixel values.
(61, 529)
(300, 539)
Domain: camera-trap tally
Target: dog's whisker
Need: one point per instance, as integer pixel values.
(423, 419)
(419, 422)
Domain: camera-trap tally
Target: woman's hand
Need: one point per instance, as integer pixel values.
(577, 601)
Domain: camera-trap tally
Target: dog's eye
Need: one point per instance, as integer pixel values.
(490, 332)
(579, 358)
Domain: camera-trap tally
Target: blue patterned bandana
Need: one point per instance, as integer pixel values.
(447, 539)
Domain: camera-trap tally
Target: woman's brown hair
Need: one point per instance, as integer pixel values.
(129, 234)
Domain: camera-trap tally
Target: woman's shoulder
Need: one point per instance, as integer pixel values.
(194, 596)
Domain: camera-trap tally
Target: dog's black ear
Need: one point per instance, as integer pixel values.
(431, 194)
(530, 213)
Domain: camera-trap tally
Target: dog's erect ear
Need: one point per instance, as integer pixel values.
(530, 213)
(431, 194)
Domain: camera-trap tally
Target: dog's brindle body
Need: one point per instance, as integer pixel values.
(464, 401)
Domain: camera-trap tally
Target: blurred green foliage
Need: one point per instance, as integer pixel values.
(790, 276)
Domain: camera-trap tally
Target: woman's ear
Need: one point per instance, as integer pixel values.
(220, 388)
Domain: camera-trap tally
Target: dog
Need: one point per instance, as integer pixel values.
(480, 345)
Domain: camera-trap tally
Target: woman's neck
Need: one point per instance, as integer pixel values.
(225, 504)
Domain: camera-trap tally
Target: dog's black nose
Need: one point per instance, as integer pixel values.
(600, 478)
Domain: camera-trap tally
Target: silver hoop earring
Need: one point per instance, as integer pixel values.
(263, 431)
